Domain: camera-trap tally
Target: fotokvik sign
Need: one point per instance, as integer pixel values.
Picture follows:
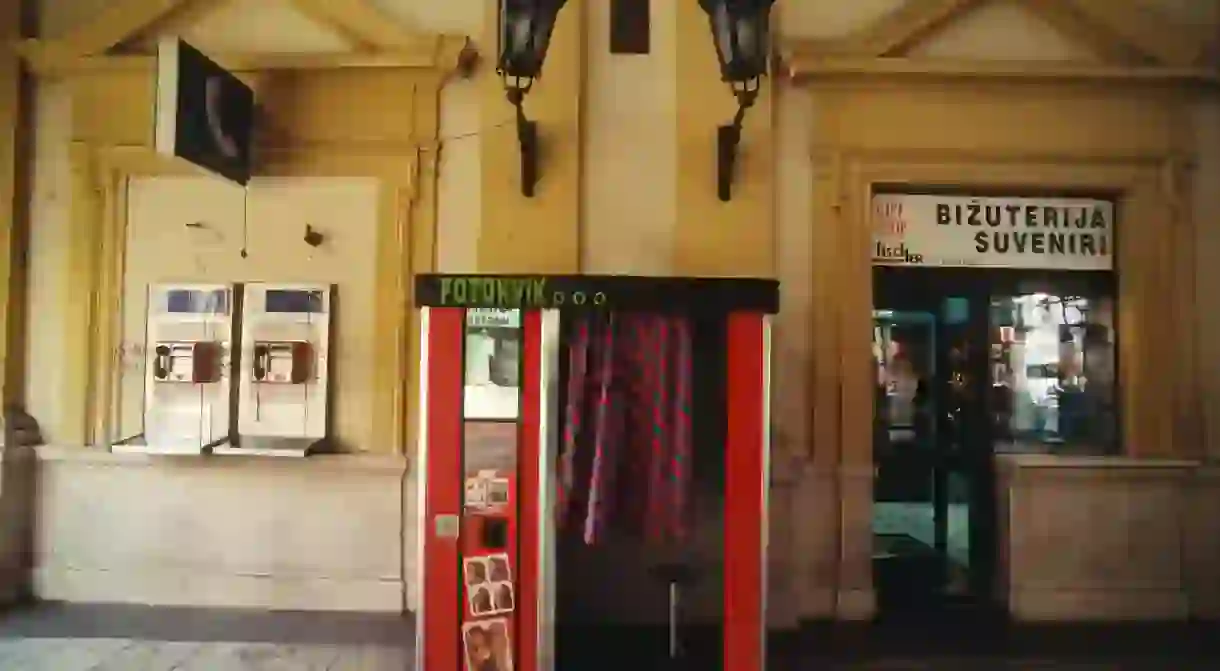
(955, 231)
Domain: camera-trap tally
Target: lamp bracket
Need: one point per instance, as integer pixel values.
(728, 138)
(527, 142)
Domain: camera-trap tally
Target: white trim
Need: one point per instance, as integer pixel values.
(548, 451)
(765, 539)
(420, 469)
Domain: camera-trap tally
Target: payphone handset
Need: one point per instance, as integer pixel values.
(189, 335)
(284, 372)
(193, 362)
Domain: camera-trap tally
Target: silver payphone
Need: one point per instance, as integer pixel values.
(188, 360)
(283, 401)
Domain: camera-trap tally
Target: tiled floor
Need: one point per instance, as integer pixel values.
(122, 638)
(119, 638)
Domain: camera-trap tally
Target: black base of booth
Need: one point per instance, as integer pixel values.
(638, 648)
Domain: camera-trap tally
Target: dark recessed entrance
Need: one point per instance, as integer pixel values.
(971, 363)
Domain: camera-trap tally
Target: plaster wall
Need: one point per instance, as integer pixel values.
(627, 187)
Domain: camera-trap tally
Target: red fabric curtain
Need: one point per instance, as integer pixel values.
(625, 464)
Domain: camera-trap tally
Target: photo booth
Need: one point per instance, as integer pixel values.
(586, 411)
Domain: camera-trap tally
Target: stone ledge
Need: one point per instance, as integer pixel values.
(161, 587)
(1100, 605)
(372, 462)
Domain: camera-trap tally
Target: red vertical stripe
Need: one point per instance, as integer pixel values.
(681, 432)
(744, 499)
(442, 581)
(529, 458)
(578, 360)
(604, 437)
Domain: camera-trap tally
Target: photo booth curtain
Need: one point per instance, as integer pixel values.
(625, 462)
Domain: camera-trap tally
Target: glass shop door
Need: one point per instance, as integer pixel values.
(933, 519)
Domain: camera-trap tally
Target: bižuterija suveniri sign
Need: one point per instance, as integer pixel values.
(957, 231)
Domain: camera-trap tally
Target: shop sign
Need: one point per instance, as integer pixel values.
(955, 231)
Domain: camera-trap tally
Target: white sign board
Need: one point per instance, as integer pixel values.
(956, 231)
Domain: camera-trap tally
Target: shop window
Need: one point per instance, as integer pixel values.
(1053, 374)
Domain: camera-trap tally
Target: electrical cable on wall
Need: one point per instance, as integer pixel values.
(245, 221)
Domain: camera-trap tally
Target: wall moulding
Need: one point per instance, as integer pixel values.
(391, 78)
(441, 53)
(1134, 41)
(1156, 408)
(925, 132)
(99, 221)
(803, 66)
(377, 40)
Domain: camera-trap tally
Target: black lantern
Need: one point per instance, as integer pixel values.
(525, 34)
(741, 32)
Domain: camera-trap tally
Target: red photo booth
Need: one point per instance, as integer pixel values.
(526, 378)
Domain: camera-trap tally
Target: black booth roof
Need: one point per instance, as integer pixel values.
(601, 292)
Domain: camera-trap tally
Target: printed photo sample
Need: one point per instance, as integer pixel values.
(487, 645)
(476, 492)
(480, 600)
(489, 586)
(497, 491)
(486, 490)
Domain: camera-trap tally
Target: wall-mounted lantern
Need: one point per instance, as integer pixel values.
(741, 32)
(525, 34)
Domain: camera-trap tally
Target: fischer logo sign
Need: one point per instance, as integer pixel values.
(889, 232)
(948, 231)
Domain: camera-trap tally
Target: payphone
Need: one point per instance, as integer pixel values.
(284, 377)
(188, 360)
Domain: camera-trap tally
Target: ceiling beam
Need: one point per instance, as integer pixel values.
(119, 21)
(359, 22)
(370, 30)
(1120, 31)
(1147, 30)
(901, 28)
(1065, 17)
(175, 22)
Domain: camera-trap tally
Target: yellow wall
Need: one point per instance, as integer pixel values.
(11, 212)
(89, 146)
(627, 186)
(628, 171)
(269, 223)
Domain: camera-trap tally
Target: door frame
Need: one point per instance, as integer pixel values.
(924, 290)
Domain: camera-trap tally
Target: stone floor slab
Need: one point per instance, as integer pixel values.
(120, 638)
